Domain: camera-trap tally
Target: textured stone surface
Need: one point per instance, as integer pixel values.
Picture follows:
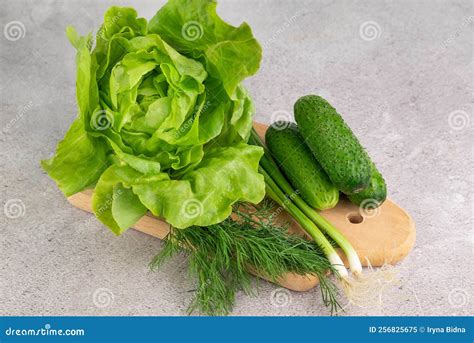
(407, 93)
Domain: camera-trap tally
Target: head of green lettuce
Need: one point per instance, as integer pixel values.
(163, 118)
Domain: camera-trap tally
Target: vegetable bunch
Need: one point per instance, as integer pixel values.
(163, 126)
(163, 118)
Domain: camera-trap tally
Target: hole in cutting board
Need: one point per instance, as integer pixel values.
(355, 218)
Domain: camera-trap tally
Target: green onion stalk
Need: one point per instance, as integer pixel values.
(274, 192)
(358, 290)
(274, 177)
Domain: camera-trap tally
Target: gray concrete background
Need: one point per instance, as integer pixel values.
(405, 85)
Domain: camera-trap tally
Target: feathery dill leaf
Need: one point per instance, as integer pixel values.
(220, 257)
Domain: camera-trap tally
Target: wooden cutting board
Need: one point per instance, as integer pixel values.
(384, 235)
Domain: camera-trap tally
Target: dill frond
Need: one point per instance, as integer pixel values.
(220, 257)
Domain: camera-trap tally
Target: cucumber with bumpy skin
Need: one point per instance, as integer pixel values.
(374, 195)
(300, 167)
(333, 144)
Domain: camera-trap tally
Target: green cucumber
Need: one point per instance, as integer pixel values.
(300, 167)
(374, 195)
(333, 144)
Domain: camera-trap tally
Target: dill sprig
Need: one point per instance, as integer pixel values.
(221, 257)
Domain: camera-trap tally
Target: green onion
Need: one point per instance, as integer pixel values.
(269, 165)
(361, 290)
(279, 197)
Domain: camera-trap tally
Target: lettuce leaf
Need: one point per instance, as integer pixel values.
(113, 202)
(205, 195)
(163, 118)
(79, 161)
(193, 27)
